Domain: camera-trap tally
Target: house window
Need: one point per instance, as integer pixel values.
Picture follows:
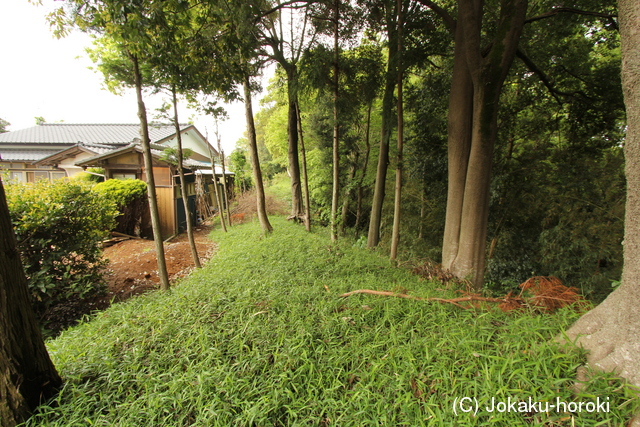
(119, 175)
(56, 175)
(17, 176)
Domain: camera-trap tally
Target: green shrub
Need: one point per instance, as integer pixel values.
(120, 191)
(58, 226)
(130, 197)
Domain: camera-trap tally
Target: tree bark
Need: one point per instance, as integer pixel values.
(151, 185)
(224, 184)
(255, 162)
(611, 331)
(297, 210)
(395, 236)
(305, 176)
(487, 74)
(216, 191)
(336, 128)
(27, 375)
(364, 168)
(373, 237)
(348, 193)
(183, 184)
(459, 120)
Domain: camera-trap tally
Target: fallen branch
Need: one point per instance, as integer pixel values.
(540, 293)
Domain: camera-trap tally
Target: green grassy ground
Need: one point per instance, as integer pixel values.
(255, 339)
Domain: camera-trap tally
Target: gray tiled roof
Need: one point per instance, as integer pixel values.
(19, 155)
(65, 134)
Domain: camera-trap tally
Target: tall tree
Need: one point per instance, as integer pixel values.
(150, 178)
(395, 237)
(128, 25)
(255, 162)
(611, 331)
(335, 191)
(390, 24)
(183, 183)
(286, 51)
(27, 375)
(478, 76)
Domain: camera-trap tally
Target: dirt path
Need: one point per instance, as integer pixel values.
(133, 270)
(133, 267)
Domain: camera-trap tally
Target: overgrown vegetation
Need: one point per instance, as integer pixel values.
(259, 337)
(130, 197)
(58, 227)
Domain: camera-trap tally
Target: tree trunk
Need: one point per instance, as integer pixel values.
(255, 162)
(487, 74)
(183, 184)
(373, 237)
(216, 191)
(151, 185)
(224, 184)
(395, 237)
(27, 375)
(336, 128)
(297, 210)
(305, 176)
(458, 146)
(364, 168)
(348, 193)
(611, 331)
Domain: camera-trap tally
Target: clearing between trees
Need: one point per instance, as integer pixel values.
(260, 336)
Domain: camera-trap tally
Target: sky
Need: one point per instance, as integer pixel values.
(41, 76)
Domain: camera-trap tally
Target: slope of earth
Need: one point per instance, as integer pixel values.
(262, 337)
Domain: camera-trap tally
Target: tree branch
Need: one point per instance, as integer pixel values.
(446, 17)
(285, 4)
(545, 79)
(559, 10)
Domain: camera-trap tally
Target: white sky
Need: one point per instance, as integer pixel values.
(41, 76)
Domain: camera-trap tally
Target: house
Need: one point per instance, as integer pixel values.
(52, 151)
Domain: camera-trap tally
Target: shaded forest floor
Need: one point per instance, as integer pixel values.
(261, 337)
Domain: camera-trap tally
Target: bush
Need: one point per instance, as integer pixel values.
(58, 227)
(130, 198)
(120, 191)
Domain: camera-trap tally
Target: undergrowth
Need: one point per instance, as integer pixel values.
(259, 337)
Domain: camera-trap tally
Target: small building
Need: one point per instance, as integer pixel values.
(59, 150)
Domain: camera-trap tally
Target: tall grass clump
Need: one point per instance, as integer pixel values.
(260, 337)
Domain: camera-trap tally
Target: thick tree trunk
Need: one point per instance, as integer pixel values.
(460, 119)
(183, 184)
(151, 185)
(466, 256)
(373, 237)
(255, 162)
(27, 375)
(611, 331)
(297, 210)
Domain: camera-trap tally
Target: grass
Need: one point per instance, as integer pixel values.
(255, 339)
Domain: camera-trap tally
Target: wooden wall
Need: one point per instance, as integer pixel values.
(166, 211)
